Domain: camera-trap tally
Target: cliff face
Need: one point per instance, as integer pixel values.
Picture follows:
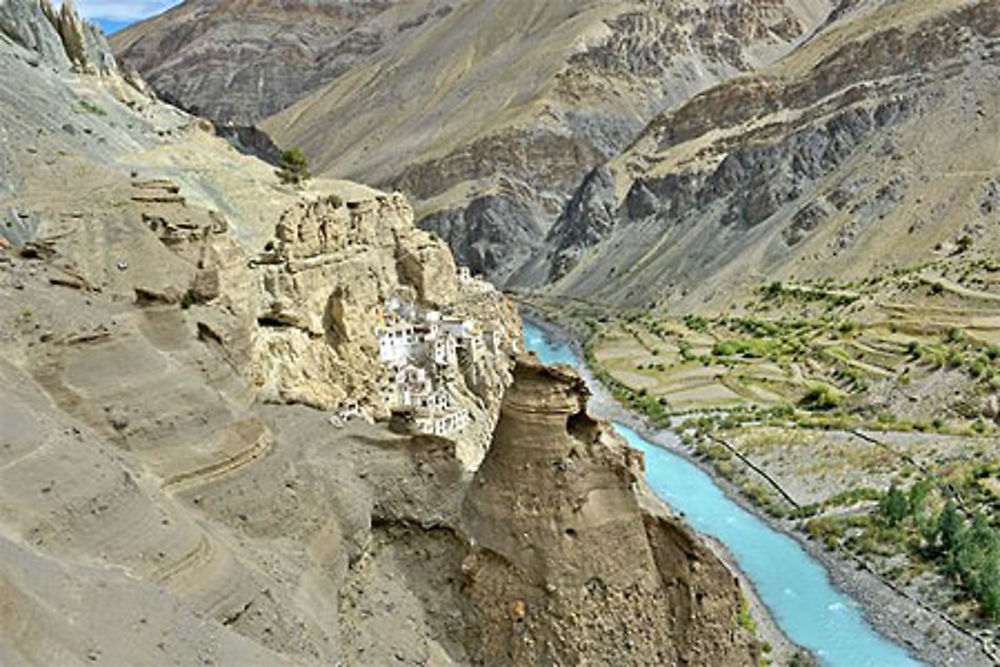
(238, 61)
(60, 39)
(337, 265)
(323, 290)
(488, 117)
(172, 319)
(815, 167)
(567, 568)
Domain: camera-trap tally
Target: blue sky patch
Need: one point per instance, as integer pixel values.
(113, 15)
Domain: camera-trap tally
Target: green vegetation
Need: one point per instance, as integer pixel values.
(91, 108)
(970, 553)
(743, 618)
(778, 291)
(821, 396)
(696, 322)
(928, 525)
(293, 167)
(894, 506)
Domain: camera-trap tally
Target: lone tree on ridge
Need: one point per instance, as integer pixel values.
(293, 167)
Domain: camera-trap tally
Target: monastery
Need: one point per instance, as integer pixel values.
(421, 347)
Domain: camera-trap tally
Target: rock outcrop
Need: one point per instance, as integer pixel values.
(63, 40)
(324, 286)
(815, 167)
(567, 568)
(337, 264)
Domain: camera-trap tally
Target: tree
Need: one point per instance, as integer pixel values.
(950, 526)
(895, 505)
(293, 167)
(918, 496)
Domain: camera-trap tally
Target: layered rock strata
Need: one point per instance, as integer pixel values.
(815, 167)
(489, 116)
(238, 61)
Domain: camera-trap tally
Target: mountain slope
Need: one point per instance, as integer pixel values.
(173, 486)
(238, 61)
(871, 147)
(490, 116)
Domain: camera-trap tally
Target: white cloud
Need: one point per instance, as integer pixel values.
(122, 10)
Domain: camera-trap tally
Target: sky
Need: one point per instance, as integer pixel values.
(113, 15)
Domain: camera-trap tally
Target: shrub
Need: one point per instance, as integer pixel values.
(293, 167)
(92, 108)
(695, 322)
(775, 289)
(743, 618)
(820, 396)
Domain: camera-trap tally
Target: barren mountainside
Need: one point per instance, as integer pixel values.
(195, 467)
(489, 117)
(238, 61)
(870, 147)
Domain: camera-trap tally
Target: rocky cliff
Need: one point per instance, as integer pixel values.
(60, 39)
(323, 288)
(238, 61)
(567, 568)
(173, 317)
(819, 166)
(489, 117)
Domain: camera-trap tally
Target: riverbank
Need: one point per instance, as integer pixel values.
(604, 406)
(896, 616)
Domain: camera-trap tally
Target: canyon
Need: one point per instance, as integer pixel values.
(180, 329)
(487, 114)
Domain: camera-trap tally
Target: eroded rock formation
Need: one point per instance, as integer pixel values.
(161, 482)
(567, 568)
(324, 286)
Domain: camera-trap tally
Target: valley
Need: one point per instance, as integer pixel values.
(859, 414)
(263, 416)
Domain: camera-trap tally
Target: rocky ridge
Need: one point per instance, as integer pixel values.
(490, 116)
(805, 170)
(239, 61)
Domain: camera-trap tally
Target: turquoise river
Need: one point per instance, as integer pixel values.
(793, 585)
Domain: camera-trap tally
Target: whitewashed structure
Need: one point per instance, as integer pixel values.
(419, 347)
